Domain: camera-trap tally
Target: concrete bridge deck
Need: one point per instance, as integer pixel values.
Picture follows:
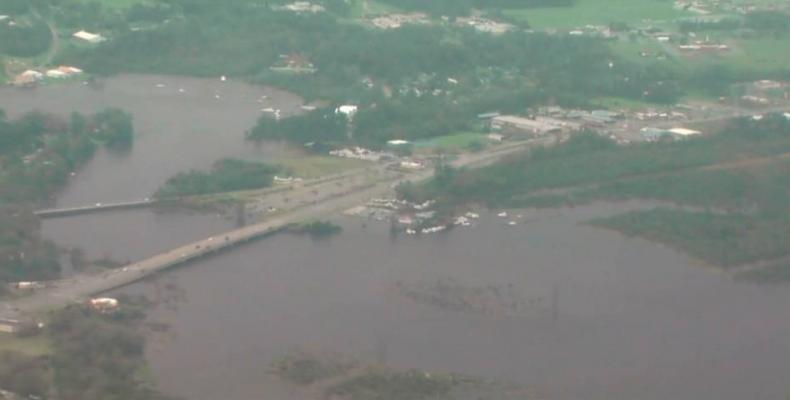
(150, 202)
(69, 211)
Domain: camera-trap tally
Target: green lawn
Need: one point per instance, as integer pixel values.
(766, 53)
(315, 166)
(116, 4)
(617, 103)
(631, 49)
(597, 12)
(454, 142)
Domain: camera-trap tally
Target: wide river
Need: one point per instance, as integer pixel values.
(612, 317)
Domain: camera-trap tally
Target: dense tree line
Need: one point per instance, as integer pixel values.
(324, 125)
(14, 7)
(589, 158)
(25, 40)
(23, 374)
(99, 357)
(226, 175)
(94, 356)
(201, 37)
(752, 205)
(37, 154)
(509, 72)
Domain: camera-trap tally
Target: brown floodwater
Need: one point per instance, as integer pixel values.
(180, 123)
(613, 317)
(634, 320)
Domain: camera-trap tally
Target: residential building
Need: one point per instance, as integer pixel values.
(89, 37)
(8, 325)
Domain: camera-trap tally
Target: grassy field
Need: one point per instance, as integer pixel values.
(116, 4)
(315, 166)
(617, 103)
(766, 53)
(597, 12)
(450, 143)
(34, 346)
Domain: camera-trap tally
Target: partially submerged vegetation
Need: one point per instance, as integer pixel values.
(92, 356)
(337, 376)
(304, 368)
(225, 176)
(386, 384)
(316, 229)
(590, 160)
(738, 179)
(727, 240)
(38, 152)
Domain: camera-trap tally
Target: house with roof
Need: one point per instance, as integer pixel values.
(89, 37)
(27, 78)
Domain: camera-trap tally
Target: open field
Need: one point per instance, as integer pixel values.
(767, 53)
(315, 166)
(596, 12)
(454, 142)
(619, 103)
(116, 4)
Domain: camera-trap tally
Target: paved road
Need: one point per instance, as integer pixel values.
(80, 288)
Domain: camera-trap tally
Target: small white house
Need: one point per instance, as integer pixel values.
(412, 165)
(104, 304)
(63, 71)
(683, 132)
(89, 37)
(348, 109)
(495, 137)
(28, 77)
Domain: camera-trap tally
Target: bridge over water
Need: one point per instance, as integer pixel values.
(149, 202)
(81, 287)
(69, 211)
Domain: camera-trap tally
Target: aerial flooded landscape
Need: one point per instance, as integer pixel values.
(394, 199)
